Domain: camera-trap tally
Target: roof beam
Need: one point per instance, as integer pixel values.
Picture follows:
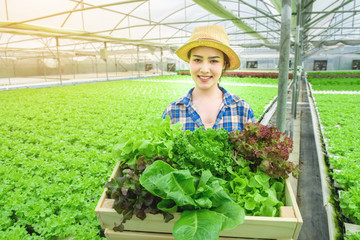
(78, 10)
(327, 29)
(27, 29)
(217, 9)
(307, 25)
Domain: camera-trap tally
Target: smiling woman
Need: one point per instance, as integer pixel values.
(208, 105)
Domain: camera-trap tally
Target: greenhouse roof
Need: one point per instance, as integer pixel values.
(82, 27)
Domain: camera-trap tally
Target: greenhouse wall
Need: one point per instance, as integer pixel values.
(36, 67)
(261, 63)
(333, 62)
(340, 58)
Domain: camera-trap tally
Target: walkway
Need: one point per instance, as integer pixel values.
(309, 191)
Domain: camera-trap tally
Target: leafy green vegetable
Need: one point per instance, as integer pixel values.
(130, 197)
(199, 150)
(266, 148)
(352, 236)
(256, 192)
(336, 84)
(341, 134)
(199, 224)
(154, 138)
(206, 207)
(350, 204)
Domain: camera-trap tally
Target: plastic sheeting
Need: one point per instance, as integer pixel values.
(84, 26)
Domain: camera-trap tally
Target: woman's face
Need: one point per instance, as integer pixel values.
(206, 66)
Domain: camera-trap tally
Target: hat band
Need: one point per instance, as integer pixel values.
(211, 39)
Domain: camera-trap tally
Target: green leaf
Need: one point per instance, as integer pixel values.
(219, 196)
(263, 180)
(250, 204)
(198, 224)
(151, 176)
(179, 186)
(205, 176)
(203, 202)
(232, 215)
(167, 205)
(268, 210)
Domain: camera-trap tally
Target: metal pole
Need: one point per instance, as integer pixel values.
(283, 64)
(115, 66)
(161, 62)
(75, 67)
(296, 64)
(6, 9)
(58, 59)
(138, 61)
(106, 64)
(44, 66)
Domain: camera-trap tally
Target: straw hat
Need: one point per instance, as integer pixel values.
(210, 36)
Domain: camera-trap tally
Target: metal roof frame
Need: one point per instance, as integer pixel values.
(155, 24)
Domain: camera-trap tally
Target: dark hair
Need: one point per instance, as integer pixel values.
(226, 62)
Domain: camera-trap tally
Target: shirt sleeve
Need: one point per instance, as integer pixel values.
(165, 113)
(251, 116)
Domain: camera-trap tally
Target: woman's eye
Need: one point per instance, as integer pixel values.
(196, 60)
(214, 61)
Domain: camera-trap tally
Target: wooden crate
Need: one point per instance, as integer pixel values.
(153, 227)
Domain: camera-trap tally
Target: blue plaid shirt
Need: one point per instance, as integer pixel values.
(234, 113)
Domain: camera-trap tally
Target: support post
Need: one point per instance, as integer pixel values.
(106, 62)
(283, 64)
(58, 59)
(44, 67)
(161, 62)
(296, 66)
(138, 60)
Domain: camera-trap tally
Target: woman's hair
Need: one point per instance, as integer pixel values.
(226, 62)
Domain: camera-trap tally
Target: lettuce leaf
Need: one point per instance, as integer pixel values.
(206, 207)
(198, 224)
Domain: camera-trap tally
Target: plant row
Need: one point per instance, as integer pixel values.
(224, 79)
(341, 132)
(213, 178)
(335, 84)
(56, 145)
(336, 74)
(272, 75)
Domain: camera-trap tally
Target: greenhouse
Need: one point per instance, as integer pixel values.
(105, 128)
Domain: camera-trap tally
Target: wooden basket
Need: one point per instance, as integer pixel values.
(153, 227)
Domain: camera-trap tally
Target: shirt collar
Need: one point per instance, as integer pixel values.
(228, 98)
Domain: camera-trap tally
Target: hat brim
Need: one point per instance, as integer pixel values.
(234, 60)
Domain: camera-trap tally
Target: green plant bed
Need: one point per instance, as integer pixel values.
(224, 79)
(342, 134)
(56, 145)
(335, 84)
(334, 74)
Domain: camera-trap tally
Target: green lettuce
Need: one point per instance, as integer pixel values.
(199, 150)
(155, 137)
(206, 208)
(256, 192)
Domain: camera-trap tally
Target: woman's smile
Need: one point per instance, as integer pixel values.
(204, 78)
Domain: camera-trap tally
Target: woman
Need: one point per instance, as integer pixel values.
(208, 105)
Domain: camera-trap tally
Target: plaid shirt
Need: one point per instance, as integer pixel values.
(234, 112)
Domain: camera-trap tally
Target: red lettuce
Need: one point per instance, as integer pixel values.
(266, 148)
(131, 198)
